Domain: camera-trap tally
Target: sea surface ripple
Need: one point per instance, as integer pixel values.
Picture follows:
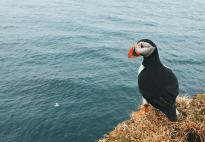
(74, 53)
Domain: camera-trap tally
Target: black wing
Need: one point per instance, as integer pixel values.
(159, 86)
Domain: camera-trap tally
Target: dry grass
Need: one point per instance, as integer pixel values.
(155, 127)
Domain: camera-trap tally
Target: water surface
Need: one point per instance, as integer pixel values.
(74, 53)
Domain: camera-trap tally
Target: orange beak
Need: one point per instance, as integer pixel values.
(132, 53)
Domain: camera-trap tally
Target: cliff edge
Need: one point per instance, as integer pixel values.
(155, 127)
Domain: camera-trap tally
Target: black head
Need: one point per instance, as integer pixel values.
(148, 41)
(144, 47)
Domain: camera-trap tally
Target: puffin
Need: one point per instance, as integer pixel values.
(157, 83)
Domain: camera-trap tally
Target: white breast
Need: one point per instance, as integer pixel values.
(144, 101)
(140, 69)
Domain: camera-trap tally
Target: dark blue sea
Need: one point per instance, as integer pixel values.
(75, 53)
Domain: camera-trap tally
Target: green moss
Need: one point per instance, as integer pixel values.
(192, 138)
(198, 107)
(198, 101)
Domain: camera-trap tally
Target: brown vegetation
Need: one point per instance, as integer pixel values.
(155, 127)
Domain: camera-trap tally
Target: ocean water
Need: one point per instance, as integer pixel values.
(74, 53)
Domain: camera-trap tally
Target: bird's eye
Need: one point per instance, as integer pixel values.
(142, 46)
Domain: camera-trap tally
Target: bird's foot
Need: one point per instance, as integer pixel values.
(143, 110)
(146, 108)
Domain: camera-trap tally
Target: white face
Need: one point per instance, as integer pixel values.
(144, 48)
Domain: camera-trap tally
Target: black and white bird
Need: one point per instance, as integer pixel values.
(157, 83)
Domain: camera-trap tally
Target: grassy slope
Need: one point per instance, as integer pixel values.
(155, 127)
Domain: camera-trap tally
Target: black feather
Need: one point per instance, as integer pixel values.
(159, 85)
